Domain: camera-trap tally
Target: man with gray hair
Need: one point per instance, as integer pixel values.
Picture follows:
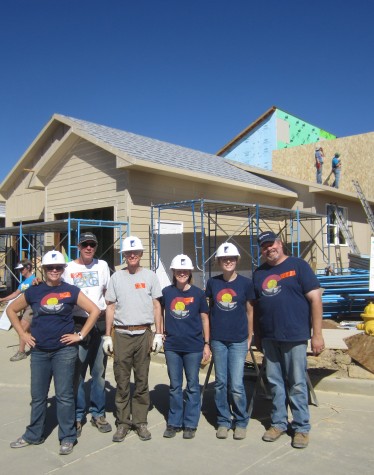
(133, 307)
(92, 276)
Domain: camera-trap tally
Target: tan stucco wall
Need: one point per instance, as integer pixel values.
(356, 153)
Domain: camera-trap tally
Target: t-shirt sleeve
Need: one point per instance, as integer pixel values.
(156, 288)
(106, 276)
(309, 280)
(204, 308)
(110, 294)
(26, 293)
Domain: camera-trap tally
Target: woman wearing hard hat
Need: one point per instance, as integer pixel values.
(186, 344)
(231, 327)
(54, 349)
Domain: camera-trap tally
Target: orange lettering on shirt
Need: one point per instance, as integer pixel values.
(64, 295)
(291, 273)
(140, 285)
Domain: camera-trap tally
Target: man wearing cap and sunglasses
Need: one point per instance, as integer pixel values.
(92, 276)
(288, 307)
(25, 269)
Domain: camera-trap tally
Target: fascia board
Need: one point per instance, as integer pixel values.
(23, 161)
(205, 178)
(51, 158)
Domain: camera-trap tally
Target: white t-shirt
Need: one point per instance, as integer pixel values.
(92, 279)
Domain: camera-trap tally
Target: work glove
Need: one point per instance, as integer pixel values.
(107, 345)
(157, 343)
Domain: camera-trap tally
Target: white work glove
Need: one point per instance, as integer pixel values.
(157, 343)
(107, 345)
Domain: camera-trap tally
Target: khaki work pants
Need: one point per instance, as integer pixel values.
(132, 352)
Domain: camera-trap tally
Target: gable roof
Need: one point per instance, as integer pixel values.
(134, 150)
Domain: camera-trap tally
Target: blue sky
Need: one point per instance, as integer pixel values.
(190, 72)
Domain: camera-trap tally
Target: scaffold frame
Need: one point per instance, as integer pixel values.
(26, 240)
(205, 215)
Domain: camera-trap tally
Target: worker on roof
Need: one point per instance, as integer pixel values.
(336, 169)
(319, 156)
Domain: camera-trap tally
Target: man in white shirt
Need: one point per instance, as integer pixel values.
(92, 276)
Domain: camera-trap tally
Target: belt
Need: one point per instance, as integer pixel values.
(132, 327)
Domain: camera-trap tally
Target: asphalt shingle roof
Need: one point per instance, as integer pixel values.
(167, 154)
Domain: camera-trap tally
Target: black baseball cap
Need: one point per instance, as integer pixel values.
(267, 236)
(87, 237)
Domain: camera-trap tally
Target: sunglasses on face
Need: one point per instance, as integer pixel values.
(132, 253)
(88, 244)
(51, 268)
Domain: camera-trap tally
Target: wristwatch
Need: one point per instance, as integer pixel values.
(206, 343)
(80, 336)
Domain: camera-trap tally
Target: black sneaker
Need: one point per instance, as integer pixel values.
(188, 433)
(171, 431)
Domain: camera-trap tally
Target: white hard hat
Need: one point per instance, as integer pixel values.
(227, 249)
(181, 261)
(53, 257)
(132, 243)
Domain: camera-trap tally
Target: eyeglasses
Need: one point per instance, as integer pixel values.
(88, 243)
(132, 253)
(56, 267)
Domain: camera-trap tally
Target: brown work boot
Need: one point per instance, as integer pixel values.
(143, 432)
(101, 423)
(120, 434)
(272, 434)
(300, 440)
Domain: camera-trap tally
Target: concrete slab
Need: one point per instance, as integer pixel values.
(341, 438)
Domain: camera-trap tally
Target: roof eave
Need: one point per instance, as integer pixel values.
(208, 178)
(246, 130)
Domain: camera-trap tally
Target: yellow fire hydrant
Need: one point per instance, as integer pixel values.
(368, 317)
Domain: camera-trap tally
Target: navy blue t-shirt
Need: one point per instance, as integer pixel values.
(283, 309)
(183, 325)
(52, 313)
(228, 315)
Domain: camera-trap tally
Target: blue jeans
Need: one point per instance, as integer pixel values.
(286, 366)
(229, 361)
(91, 355)
(336, 172)
(177, 361)
(60, 364)
(319, 175)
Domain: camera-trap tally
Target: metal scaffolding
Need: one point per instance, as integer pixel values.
(206, 217)
(28, 240)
